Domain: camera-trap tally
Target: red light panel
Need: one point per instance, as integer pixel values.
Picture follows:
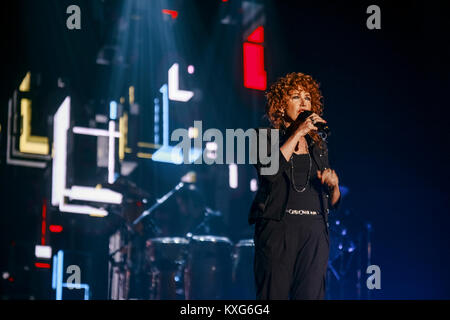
(255, 76)
(172, 13)
(55, 228)
(257, 36)
(43, 226)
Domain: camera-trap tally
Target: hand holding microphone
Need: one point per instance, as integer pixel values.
(307, 121)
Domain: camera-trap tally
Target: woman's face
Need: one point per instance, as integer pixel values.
(298, 101)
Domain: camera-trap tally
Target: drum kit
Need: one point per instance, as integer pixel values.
(198, 265)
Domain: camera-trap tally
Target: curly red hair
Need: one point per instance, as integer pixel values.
(279, 93)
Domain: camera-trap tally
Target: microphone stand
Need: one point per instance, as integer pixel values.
(157, 204)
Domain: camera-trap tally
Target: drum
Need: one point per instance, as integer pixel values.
(166, 258)
(209, 269)
(243, 278)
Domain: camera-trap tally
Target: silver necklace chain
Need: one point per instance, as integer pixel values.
(307, 179)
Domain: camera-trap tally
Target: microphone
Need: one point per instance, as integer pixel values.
(322, 128)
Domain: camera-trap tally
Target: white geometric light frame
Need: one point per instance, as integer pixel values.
(61, 125)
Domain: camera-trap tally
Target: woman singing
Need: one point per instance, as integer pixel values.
(291, 206)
